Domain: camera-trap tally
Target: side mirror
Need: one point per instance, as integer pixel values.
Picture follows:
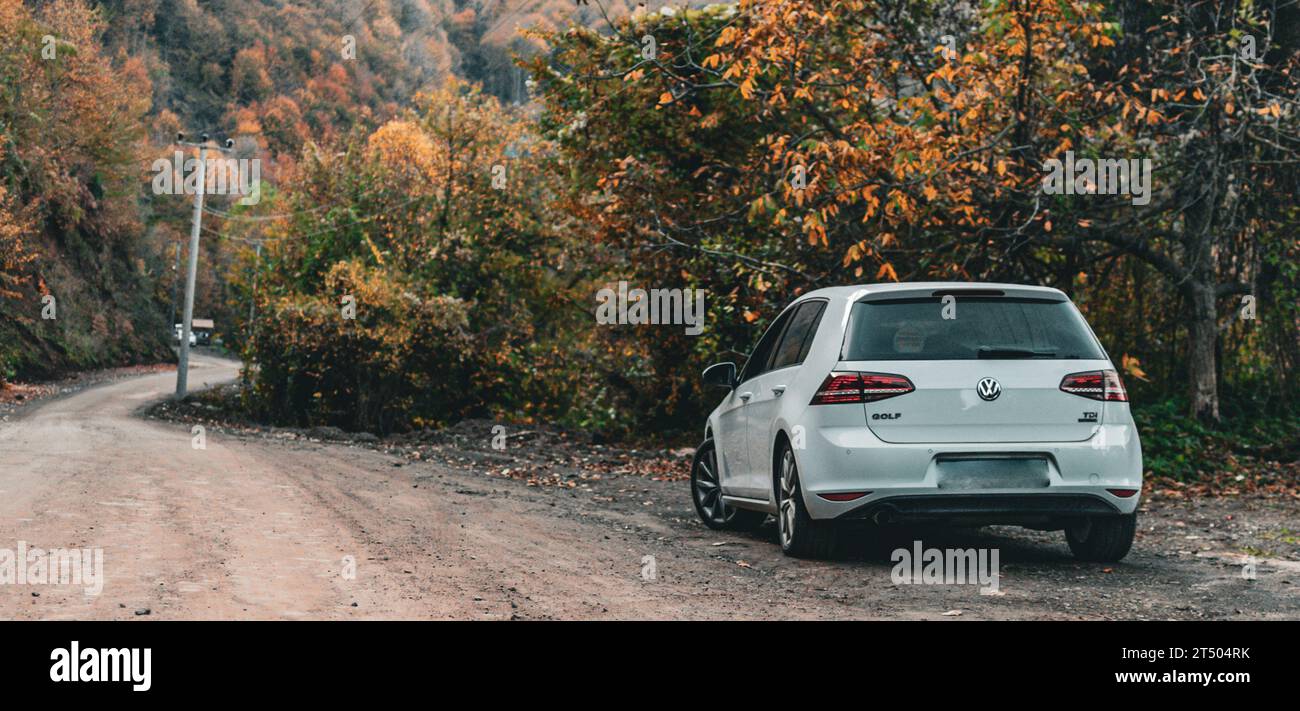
(722, 375)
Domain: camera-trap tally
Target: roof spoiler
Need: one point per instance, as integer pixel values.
(968, 292)
(962, 292)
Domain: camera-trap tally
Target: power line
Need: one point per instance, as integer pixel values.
(332, 228)
(285, 215)
(364, 8)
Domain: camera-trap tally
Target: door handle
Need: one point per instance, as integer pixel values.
(778, 390)
(746, 396)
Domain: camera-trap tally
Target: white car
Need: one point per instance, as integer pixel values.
(959, 403)
(179, 331)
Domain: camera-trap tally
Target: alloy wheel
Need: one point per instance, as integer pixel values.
(708, 494)
(789, 484)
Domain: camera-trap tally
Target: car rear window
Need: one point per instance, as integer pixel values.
(970, 328)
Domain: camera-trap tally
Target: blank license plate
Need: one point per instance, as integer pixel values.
(989, 473)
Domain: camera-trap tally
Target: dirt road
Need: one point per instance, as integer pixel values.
(255, 527)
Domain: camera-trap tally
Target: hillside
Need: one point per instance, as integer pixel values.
(84, 115)
(293, 72)
(76, 284)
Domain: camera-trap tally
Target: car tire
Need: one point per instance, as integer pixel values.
(706, 493)
(1103, 539)
(801, 536)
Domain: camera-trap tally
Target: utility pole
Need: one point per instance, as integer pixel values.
(183, 368)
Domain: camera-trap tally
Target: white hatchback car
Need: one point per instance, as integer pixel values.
(960, 403)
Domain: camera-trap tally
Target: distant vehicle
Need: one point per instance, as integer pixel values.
(200, 332)
(967, 404)
(202, 328)
(176, 335)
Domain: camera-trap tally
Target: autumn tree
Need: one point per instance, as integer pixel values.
(71, 126)
(14, 255)
(435, 226)
(1211, 88)
(904, 139)
(968, 126)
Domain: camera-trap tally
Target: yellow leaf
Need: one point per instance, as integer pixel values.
(1133, 367)
(665, 98)
(852, 255)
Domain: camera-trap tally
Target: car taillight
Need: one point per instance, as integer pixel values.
(1096, 385)
(860, 387)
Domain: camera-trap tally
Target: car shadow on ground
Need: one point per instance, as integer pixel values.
(869, 543)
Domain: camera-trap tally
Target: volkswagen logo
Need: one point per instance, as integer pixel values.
(988, 389)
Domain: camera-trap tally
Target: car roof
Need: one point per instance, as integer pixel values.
(927, 288)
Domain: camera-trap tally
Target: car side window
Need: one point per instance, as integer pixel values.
(757, 362)
(798, 335)
(812, 333)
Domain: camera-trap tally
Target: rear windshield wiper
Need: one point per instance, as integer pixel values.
(989, 352)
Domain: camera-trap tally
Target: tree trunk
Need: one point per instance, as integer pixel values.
(1203, 332)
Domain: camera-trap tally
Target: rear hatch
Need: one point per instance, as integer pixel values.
(986, 366)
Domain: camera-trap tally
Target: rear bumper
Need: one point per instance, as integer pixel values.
(908, 478)
(981, 508)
